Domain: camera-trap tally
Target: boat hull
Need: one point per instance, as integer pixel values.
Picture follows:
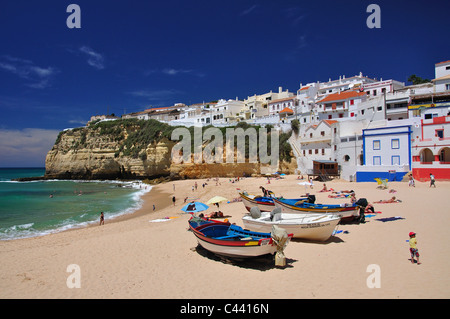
(250, 202)
(312, 227)
(238, 247)
(346, 212)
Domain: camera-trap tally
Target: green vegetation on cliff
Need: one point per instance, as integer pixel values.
(133, 136)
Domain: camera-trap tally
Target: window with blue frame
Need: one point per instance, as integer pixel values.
(376, 145)
(377, 160)
(395, 160)
(395, 143)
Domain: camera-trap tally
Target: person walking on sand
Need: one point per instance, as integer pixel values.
(173, 200)
(102, 219)
(411, 181)
(432, 180)
(413, 248)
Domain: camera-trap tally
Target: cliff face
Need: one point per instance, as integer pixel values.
(122, 151)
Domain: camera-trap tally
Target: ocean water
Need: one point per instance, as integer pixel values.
(36, 208)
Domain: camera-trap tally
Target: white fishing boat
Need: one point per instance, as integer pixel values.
(315, 227)
(293, 206)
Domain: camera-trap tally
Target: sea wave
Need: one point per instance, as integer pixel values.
(28, 230)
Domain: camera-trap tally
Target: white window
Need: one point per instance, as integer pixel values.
(395, 160)
(376, 145)
(395, 143)
(377, 160)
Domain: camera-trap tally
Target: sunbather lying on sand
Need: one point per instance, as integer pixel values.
(325, 189)
(387, 201)
(344, 191)
(339, 196)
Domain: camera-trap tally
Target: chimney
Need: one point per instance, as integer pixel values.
(280, 89)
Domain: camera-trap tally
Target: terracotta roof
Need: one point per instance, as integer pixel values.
(286, 110)
(304, 88)
(342, 96)
(329, 122)
(283, 99)
(445, 77)
(442, 62)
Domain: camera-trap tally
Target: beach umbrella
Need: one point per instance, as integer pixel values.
(216, 199)
(194, 207)
(305, 183)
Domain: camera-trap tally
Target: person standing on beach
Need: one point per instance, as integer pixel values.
(173, 200)
(411, 181)
(102, 219)
(413, 248)
(432, 180)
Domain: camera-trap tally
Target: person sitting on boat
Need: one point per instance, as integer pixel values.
(352, 198)
(264, 191)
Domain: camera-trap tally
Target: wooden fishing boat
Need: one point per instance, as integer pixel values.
(316, 227)
(231, 240)
(294, 206)
(264, 203)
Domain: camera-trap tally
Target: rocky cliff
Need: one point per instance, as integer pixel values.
(134, 149)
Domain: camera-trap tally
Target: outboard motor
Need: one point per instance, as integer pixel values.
(311, 199)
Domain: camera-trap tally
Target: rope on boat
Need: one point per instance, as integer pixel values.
(281, 239)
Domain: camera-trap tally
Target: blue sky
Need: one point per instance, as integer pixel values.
(130, 55)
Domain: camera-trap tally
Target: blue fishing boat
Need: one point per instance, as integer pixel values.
(295, 206)
(223, 238)
(264, 203)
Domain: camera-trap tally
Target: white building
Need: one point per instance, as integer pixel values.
(387, 152)
(339, 105)
(442, 76)
(342, 84)
(314, 142)
(276, 106)
(431, 148)
(226, 111)
(256, 106)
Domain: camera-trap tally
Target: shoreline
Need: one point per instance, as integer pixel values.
(131, 257)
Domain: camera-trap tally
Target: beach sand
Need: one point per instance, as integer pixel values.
(132, 257)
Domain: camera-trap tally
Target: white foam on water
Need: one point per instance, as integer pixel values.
(27, 230)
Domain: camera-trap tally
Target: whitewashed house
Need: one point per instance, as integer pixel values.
(387, 153)
(442, 76)
(226, 111)
(340, 105)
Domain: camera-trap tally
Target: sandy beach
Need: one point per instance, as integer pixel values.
(132, 257)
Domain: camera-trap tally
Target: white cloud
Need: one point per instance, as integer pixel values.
(25, 147)
(175, 72)
(170, 71)
(95, 59)
(156, 95)
(248, 10)
(38, 77)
